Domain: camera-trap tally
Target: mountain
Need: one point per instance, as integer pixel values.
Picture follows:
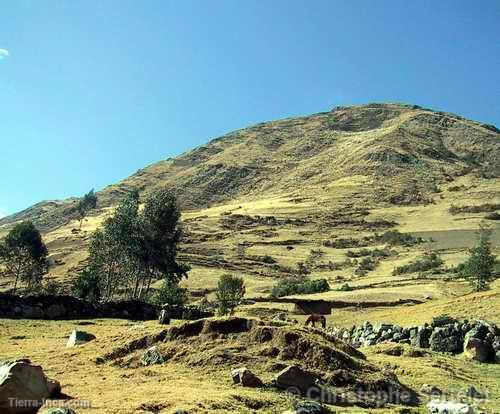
(348, 172)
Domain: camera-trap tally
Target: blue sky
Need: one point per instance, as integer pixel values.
(91, 91)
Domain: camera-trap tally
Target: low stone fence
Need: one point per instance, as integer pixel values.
(68, 307)
(480, 339)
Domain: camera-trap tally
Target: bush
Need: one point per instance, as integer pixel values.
(366, 265)
(299, 286)
(482, 208)
(86, 286)
(170, 293)
(267, 259)
(492, 216)
(52, 288)
(345, 288)
(395, 237)
(230, 291)
(428, 262)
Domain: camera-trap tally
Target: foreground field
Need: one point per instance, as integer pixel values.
(200, 384)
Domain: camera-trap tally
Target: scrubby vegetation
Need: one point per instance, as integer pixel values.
(367, 264)
(170, 293)
(299, 286)
(349, 242)
(428, 262)
(481, 208)
(395, 237)
(373, 253)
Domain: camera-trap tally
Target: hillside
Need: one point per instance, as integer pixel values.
(350, 195)
(289, 188)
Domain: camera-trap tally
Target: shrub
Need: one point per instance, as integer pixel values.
(230, 291)
(428, 262)
(170, 293)
(493, 216)
(52, 288)
(267, 259)
(86, 285)
(395, 237)
(366, 265)
(299, 286)
(345, 288)
(482, 208)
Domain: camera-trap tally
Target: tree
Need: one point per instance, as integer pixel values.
(115, 251)
(170, 293)
(161, 232)
(230, 291)
(85, 204)
(479, 267)
(134, 247)
(23, 255)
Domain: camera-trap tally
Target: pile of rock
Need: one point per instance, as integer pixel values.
(479, 340)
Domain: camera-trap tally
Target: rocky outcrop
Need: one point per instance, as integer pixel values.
(294, 378)
(152, 356)
(22, 382)
(68, 307)
(246, 378)
(79, 338)
(480, 340)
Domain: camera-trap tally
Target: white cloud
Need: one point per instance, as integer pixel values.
(3, 213)
(4, 53)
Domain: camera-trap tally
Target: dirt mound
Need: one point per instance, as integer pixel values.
(268, 347)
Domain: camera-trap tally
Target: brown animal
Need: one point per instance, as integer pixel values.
(313, 318)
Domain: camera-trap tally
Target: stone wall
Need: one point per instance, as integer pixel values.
(443, 334)
(68, 307)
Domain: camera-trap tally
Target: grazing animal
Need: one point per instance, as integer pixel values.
(313, 318)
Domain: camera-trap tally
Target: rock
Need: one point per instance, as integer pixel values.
(308, 407)
(58, 411)
(431, 390)
(446, 340)
(446, 407)
(479, 332)
(22, 381)
(152, 356)
(474, 393)
(246, 378)
(398, 336)
(79, 338)
(497, 357)
(421, 338)
(442, 320)
(164, 318)
(295, 378)
(478, 350)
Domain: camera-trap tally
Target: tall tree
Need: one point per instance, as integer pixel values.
(87, 203)
(23, 254)
(479, 267)
(161, 232)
